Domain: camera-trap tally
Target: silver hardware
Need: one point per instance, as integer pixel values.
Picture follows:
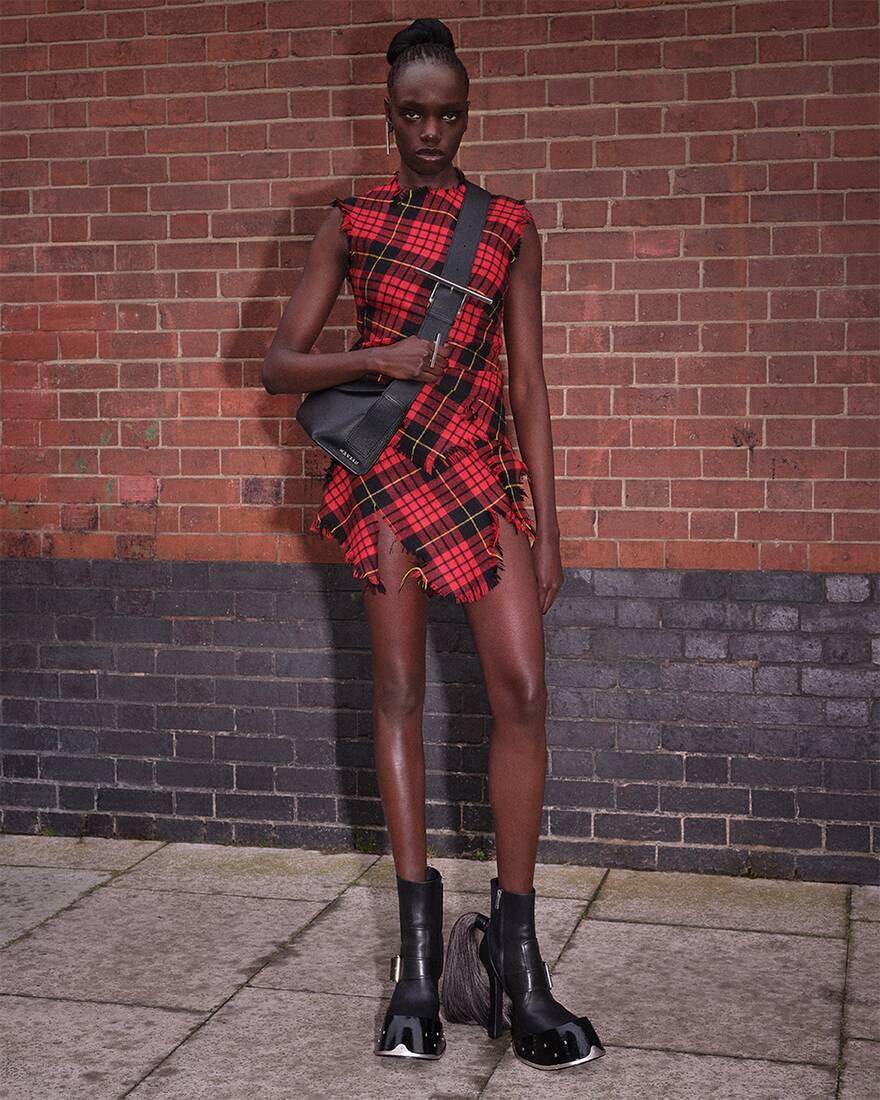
(498, 899)
(455, 286)
(547, 972)
(434, 353)
(395, 968)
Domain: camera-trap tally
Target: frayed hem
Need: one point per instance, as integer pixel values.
(363, 573)
(507, 509)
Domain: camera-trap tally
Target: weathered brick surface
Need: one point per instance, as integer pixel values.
(704, 180)
(254, 723)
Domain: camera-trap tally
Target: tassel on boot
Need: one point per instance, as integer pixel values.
(465, 989)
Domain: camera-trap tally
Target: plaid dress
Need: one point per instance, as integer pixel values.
(449, 472)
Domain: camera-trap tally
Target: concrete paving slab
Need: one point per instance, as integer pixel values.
(348, 949)
(861, 1070)
(155, 949)
(706, 991)
(866, 903)
(640, 1074)
(64, 1050)
(278, 1044)
(862, 984)
(29, 895)
(719, 901)
(254, 872)
(472, 876)
(96, 852)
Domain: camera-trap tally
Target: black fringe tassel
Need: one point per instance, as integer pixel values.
(465, 987)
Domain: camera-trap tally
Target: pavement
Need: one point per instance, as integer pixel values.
(166, 971)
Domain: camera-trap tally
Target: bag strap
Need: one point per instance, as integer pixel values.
(378, 424)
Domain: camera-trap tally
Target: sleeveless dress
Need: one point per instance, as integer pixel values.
(449, 473)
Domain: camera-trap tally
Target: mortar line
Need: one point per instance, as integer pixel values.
(838, 1084)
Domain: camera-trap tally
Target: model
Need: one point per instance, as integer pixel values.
(443, 505)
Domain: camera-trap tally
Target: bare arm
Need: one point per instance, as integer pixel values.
(288, 366)
(529, 402)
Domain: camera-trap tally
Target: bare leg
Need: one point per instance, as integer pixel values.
(397, 623)
(508, 632)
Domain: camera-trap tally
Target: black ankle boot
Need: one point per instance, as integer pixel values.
(412, 1027)
(545, 1034)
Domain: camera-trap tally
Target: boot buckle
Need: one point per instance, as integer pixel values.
(395, 968)
(547, 972)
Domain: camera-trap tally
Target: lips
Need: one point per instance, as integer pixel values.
(428, 153)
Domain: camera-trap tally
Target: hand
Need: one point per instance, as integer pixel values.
(410, 359)
(548, 568)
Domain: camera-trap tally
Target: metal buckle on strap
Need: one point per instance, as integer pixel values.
(547, 972)
(465, 290)
(395, 968)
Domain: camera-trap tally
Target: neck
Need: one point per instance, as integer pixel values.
(409, 180)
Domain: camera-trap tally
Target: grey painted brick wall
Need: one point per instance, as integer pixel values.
(708, 721)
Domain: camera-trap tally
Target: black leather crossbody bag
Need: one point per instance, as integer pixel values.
(354, 421)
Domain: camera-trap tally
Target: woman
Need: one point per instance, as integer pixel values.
(444, 503)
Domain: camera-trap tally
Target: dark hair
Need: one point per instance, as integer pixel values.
(423, 40)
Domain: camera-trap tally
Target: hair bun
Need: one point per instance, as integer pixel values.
(420, 30)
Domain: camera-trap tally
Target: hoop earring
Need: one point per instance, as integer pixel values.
(388, 139)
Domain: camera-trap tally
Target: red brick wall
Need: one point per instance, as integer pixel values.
(702, 174)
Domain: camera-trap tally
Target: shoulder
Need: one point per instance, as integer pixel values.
(509, 219)
(351, 207)
(510, 211)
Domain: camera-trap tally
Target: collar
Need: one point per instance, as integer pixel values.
(397, 191)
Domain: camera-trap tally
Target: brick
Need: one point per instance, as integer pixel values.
(717, 800)
(827, 806)
(767, 772)
(846, 650)
(773, 803)
(845, 683)
(847, 588)
(130, 799)
(847, 838)
(841, 619)
(571, 823)
(258, 807)
(776, 834)
(705, 830)
(638, 826)
(847, 712)
(632, 765)
(711, 739)
(706, 769)
(636, 796)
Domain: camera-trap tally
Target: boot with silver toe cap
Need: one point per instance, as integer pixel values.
(412, 1026)
(546, 1035)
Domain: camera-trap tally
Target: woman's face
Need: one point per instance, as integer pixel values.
(429, 112)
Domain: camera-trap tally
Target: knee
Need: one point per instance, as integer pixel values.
(399, 695)
(522, 701)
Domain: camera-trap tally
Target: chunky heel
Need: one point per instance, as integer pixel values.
(495, 1020)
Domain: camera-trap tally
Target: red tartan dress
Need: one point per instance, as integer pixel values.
(449, 472)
